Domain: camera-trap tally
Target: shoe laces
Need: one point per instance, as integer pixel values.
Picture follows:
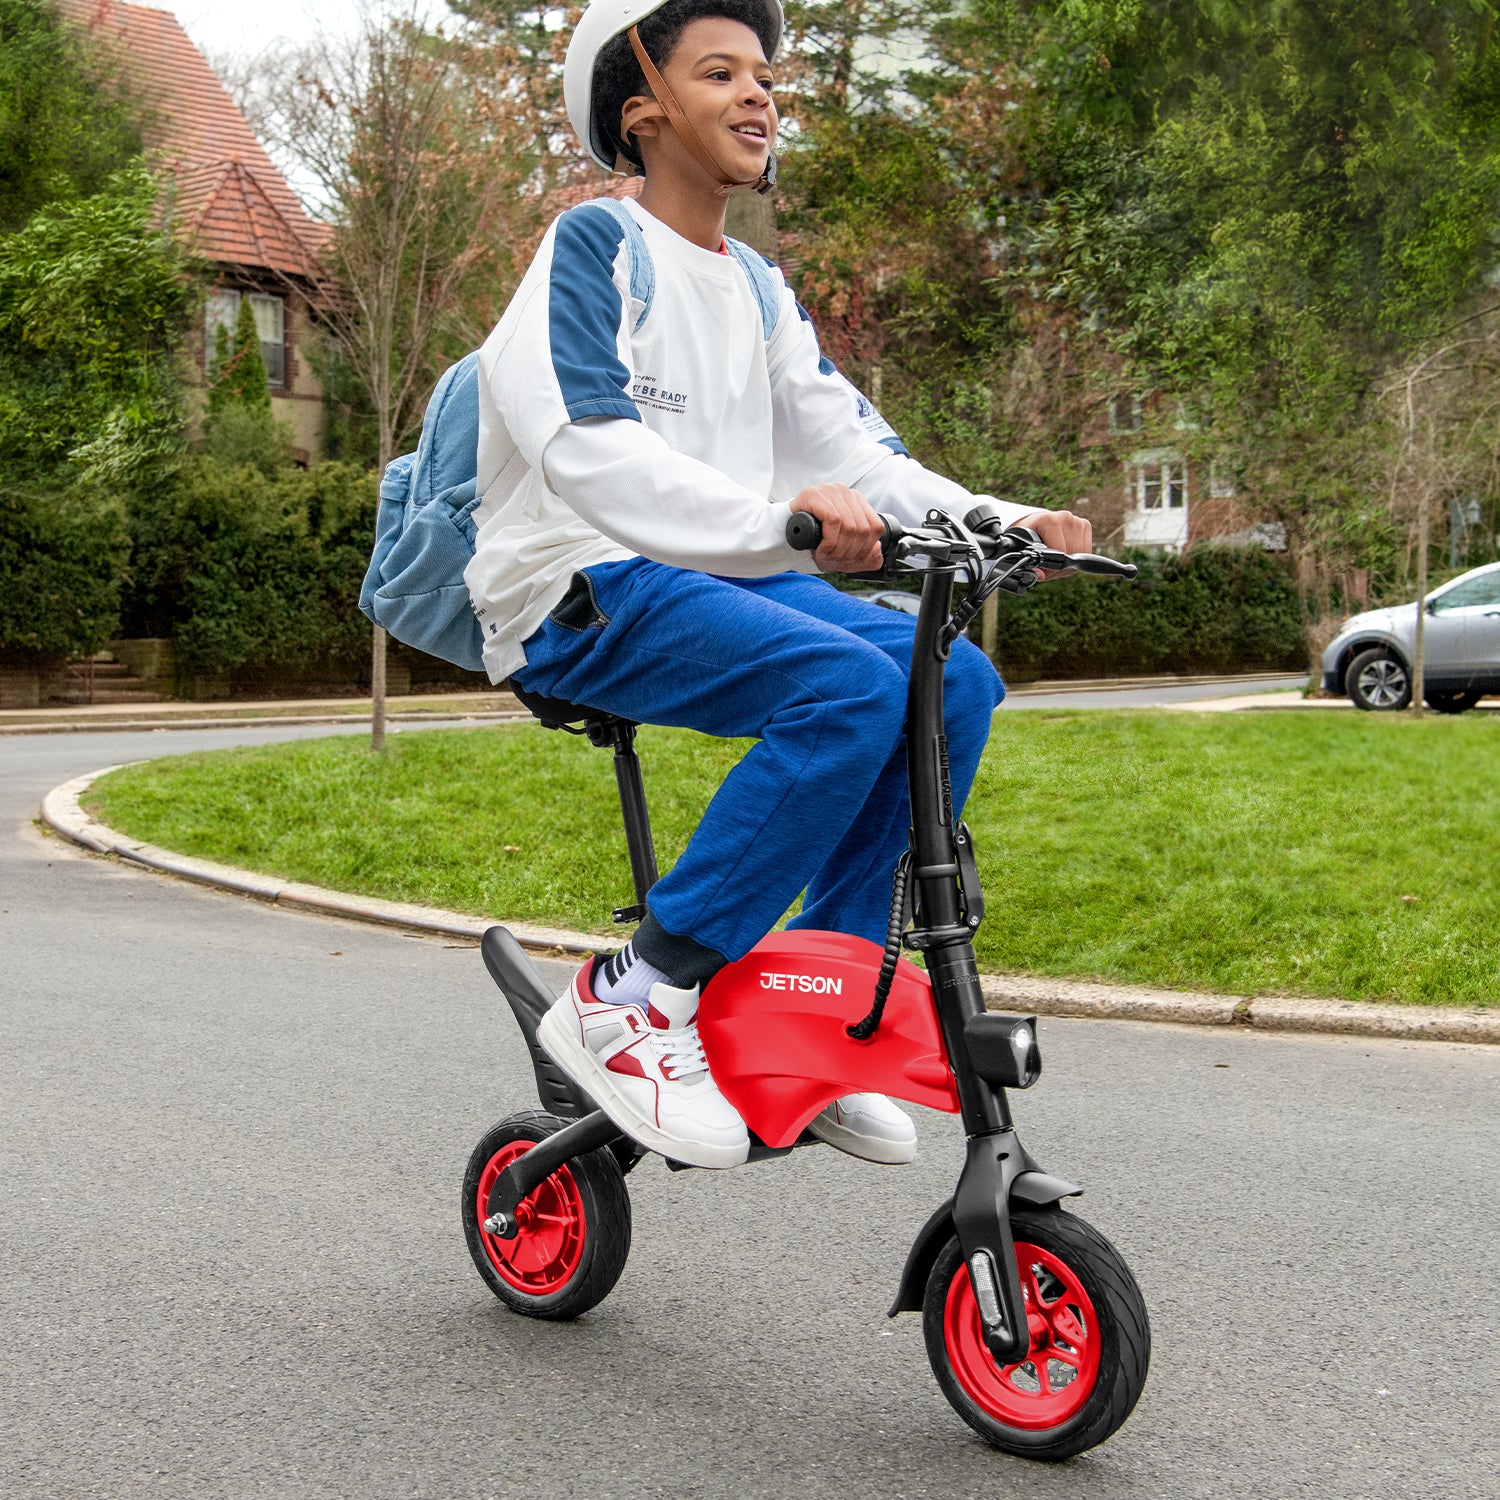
(680, 1051)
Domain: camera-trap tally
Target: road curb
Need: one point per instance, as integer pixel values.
(63, 812)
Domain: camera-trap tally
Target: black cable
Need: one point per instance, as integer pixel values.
(862, 1031)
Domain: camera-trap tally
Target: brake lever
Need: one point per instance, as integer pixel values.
(1054, 561)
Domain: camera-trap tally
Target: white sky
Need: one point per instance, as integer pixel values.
(246, 27)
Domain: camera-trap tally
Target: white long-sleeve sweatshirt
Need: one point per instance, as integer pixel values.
(680, 436)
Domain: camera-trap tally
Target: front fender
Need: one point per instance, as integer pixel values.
(1032, 1188)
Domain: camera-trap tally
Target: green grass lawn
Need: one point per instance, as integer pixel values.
(1333, 854)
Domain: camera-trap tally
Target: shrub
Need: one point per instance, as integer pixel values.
(60, 564)
(248, 569)
(238, 434)
(1216, 609)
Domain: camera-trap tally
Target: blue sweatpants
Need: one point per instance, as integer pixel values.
(818, 678)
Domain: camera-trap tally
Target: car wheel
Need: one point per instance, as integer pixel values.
(1378, 680)
(1445, 702)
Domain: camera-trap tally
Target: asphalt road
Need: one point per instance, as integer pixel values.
(231, 1141)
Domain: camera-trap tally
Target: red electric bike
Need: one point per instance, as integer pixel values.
(1034, 1325)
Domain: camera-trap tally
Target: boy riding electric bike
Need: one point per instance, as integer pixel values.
(665, 460)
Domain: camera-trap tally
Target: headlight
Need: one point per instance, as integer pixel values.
(1004, 1049)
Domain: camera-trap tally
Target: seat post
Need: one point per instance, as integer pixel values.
(638, 840)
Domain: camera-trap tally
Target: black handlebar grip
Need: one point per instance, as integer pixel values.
(1087, 562)
(804, 533)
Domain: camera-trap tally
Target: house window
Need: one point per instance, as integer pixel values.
(1156, 500)
(1162, 486)
(1124, 414)
(1221, 481)
(223, 310)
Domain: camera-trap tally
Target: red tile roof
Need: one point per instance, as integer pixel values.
(229, 197)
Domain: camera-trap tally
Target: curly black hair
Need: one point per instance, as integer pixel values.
(618, 76)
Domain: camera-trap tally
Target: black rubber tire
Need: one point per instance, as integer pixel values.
(1123, 1329)
(600, 1188)
(1386, 689)
(1444, 701)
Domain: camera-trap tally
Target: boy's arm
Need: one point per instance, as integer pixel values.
(624, 480)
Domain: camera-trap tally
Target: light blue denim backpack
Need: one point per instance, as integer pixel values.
(424, 529)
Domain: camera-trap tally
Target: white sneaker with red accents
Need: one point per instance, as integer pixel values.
(644, 1066)
(868, 1126)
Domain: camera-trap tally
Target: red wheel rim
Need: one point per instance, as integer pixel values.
(1057, 1376)
(547, 1252)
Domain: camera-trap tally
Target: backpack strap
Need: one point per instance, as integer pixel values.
(757, 271)
(450, 432)
(642, 272)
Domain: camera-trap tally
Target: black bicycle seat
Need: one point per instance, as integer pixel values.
(556, 713)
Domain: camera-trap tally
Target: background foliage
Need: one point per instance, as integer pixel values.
(1274, 221)
(1263, 210)
(64, 127)
(241, 566)
(94, 298)
(1215, 610)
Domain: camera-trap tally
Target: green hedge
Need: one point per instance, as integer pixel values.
(255, 574)
(251, 570)
(1216, 609)
(60, 562)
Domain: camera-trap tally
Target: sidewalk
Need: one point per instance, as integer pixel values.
(1290, 700)
(418, 709)
(62, 812)
(494, 704)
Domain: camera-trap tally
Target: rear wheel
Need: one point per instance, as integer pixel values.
(574, 1229)
(1446, 702)
(1378, 680)
(1090, 1341)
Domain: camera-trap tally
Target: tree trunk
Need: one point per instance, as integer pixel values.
(377, 690)
(1418, 662)
(377, 644)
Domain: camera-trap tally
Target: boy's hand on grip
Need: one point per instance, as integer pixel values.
(1062, 531)
(852, 531)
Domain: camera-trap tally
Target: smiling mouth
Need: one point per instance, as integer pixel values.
(750, 132)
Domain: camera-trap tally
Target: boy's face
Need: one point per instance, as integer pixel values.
(721, 78)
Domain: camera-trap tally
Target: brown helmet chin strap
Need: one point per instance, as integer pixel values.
(665, 107)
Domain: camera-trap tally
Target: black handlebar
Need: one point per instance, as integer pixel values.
(804, 533)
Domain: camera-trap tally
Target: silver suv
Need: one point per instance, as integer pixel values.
(1370, 658)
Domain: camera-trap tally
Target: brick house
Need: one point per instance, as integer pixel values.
(1159, 497)
(229, 202)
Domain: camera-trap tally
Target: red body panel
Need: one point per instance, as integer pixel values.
(773, 1028)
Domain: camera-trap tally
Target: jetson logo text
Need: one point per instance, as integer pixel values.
(807, 984)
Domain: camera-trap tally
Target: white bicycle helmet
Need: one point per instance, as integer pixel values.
(601, 23)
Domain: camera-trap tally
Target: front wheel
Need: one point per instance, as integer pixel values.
(1090, 1341)
(574, 1229)
(1377, 680)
